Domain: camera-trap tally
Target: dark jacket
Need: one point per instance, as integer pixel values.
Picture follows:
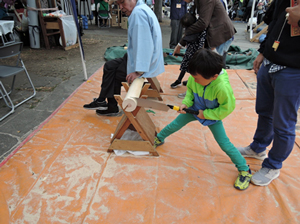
(177, 13)
(288, 51)
(212, 16)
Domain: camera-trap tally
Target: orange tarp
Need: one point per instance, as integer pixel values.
(63, 174)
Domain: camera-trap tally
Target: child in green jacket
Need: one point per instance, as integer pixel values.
(210, 93)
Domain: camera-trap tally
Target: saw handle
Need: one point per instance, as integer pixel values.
(196, 112)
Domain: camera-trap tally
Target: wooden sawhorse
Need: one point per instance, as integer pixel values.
(139, 121)
(263, 31)
(155, 90)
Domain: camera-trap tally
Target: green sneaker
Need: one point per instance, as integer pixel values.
(243, 180)
(157, 142)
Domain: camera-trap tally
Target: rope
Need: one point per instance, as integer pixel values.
(41, 9)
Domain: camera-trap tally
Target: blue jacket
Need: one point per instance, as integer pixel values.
(178, 13)
(144, 50)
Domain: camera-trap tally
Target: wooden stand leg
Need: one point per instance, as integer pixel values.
(256, 37)
(141, 122)
(155, 88)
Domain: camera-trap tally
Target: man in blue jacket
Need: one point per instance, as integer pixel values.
(144, 57)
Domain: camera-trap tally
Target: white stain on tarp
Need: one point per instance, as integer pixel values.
(78, 175)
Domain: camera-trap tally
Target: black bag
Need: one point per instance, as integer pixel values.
(269, 13)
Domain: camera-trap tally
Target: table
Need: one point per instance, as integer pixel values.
(6, 27)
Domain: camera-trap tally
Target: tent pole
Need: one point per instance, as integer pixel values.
(83, 61)
(79, 37)
(251, 20)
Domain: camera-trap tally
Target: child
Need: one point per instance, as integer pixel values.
(210, 93)
(194, 43)
(103, 12)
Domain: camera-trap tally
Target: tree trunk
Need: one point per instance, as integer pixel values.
(158, 9)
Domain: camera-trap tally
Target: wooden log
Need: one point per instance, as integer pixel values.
(129, 104)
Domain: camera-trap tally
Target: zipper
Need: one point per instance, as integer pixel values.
(204, 100)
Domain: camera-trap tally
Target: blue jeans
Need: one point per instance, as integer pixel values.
(277, 103)
(223, 48)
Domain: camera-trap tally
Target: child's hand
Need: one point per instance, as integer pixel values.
(200, 115)
(181, 109)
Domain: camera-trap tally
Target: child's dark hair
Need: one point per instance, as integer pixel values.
(206, 63)
(187, 20)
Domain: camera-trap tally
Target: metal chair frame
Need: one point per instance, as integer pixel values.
(7, 51)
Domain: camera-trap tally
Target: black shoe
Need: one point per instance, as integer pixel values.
(175, 84)
(96, 105)
(112, 112)
(184, 83)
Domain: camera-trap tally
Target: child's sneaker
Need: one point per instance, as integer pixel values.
(243, 180)
(157, 142)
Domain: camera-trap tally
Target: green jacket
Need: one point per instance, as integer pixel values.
(103, 9)
(216, 99)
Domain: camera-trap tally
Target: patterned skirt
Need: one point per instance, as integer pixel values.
(191, 49)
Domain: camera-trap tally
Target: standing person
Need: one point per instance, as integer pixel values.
(177, 10)
(103, 11)
(261, 8)
(213, 18)
(194, 42)
(247, 13)
(277, 97)
(144, 56)
(210, 93)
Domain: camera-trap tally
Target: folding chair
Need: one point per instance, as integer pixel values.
(8, 51)
(108, 18)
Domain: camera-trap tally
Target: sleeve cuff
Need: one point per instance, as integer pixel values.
(182, 47)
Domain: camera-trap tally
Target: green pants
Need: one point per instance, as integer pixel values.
(217, 130)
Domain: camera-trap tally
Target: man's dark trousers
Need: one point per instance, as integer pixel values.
(114, 73)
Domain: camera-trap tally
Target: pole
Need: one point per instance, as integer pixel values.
(251, 20)
(79, 38)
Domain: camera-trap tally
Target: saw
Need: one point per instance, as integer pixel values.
(161, 106)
